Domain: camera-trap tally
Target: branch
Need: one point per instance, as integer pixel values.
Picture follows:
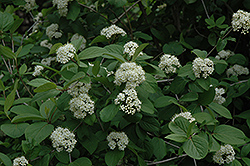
(166, 80)
(163, 161)
(238, 82)
(204, 6)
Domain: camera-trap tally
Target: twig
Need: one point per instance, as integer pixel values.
(238, 82)
(166, 80)
(70, 160)
(163, 161)
(77, 126)
(24, 35)
(204, 6)
(172, 145)
(119, 19)
(157, 56)
(99, 121)
(199, 32)
(195, 164)
(201, 108)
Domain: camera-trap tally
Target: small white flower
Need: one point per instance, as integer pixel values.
(237, 70)
(112, 30)
(119, 139)
(76, 37)
(45, 43)
(205, 66)
(62, 6)
(225, 154)
(30, 4)
(224, 54)
(65, 53)
(20, 161)
(52, 31)
(63, 139)
(241, 21)
(130, 48)
(38, 70)
(47, 61)
(218, 98)
(78, 88)
(186, 115)
(169, 63)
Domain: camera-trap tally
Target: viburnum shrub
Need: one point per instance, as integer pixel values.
(122, 82)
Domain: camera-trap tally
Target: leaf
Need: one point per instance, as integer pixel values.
(96, 68)
(186, 71)
(117, 3)
(23, 69)
(223, 111)
(83, 161)
(14, 130)
(204, 83)
(25, 50)
(204, 118)
(74, 11)
(212, 39)
(179, 126)
(149, 124)
(45, 87)
(6, 21)
(108, 112)
(142, 35)
(90, 143)
(160, 149)
(138, 50)
(190, 1)
(220, 20)
(45, 95)
(10, 99)
(237, 59)
(98, 39)
(221, 44)
(178, 85)
(206, 97)
(37, 82)
(191, 96)
(24, 109)
(245, 150)
(229, 135)
(113, 157)
(199, 53)
(114, 48)
(76, 77)
(214, 146)
(173, 48)
(91, 52)
(196, 147)
(114, 55)
(2, 87)
(54, 48)
(147, 106)
(5, 159)
(38, 131)
(163, 101)
(176, 137)
(26, 117)
(16, 25)
(6, 51)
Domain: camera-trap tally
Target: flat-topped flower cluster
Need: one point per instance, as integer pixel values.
(119, 139)
(20, 161)
(241, 21)
(130, 48)
(108, 32)
(225, 154)
(169, 63)
(186, 115)
(218, 98)
(202, 66)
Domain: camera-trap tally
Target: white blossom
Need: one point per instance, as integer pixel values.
(62, 6)
(65, 53)
(224, 54)
(45, 43)
(52, 31)
(119, 139)
(203, 66)
(112, 30)
(129, 102)
(225, 154)
(237, 70)
(218, 98)
(38, 70)
(76, 37)
(20, 161)
(129, 73)
(78, 88)
(47, 61)
(186, 115)
(130, 48)
(169, 63)
(81, 106)
(30, 4)
(63, 139)
(241, 21)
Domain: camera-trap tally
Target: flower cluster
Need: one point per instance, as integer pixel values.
(52, 31)
(218, 98)
(129, 102)
(20, 161)
(119, 139)
(62, 6)
(38, 70)
(186, 115)
(78, 88)
(225, 154)
(112, 30)
(237, 70)
(47, 61)
(45, 43)
(76, 37)
(65, 53)
(240, 21)
(62, 138)
(30, 4)
(169, 63)
(224, 54)
(130, 48)
(203, 65)
(129, 73)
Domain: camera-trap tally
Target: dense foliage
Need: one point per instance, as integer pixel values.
(122, 82)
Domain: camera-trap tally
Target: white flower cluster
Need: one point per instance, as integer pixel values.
(47, 61)
(62, 6)
(38, 70)
(130, 48)
(119, 139)
(36, 25)
(237, 70)
(76, 37)
(20, 161)
(65, 52)
(224, 54)
(45, 43)
(241, 21)
(218, 98)
(129, 102)
(112, 30)
(169, 63)
(186, 115)
(30, 4)
(225, 154)
(203, 65)
(78, 88)
(129, 73)
(62, 138)
(52, 31)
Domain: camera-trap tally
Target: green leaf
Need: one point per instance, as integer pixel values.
(190, 1)
(177, 137)
(5, 159)
(23, 69)
(223, 111)
(114, 55)
(74, 11)
(237, 59)
(6, 21)
(138, 50)
(206, 97)
(10, 99)
(115, 48)
(221, 44)
(245, 150)
(199, 53)
(229, 135)
(37, 82)
(179, 126)
(204, 83)
(6, 51)
(196, 147)
(90, 143)
(2, 87)
(108, 112)
(212, 39)
(173, 48)
(113, 157)
(45, 95)
(149, 124)
(83, 161)
(45, 87)
(147, 106)
(25, 50)
(26, 117)
(76, 77)
(220, 20)
(98, 39)
(46, 108)
(236, 163)
(16, 25)
(14, 130)
(191, 96)
(24, 109)
(37, 132)
(91, 52)
(160, 149)
(96, 68)
(142, 35)
(186, 71)
(204, 118)
(214, 146)
(117, 3)
(178, 85)
(54, 48)
(163, 101)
